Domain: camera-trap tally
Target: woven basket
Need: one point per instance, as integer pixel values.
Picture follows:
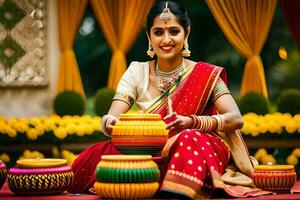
(40, 177)
(2, 173)
(139, 134)
(276, 178)
(126, 177)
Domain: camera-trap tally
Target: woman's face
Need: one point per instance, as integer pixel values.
(167, 38)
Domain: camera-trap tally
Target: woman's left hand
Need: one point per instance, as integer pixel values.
(178, 122)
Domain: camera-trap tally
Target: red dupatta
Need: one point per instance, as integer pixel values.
(190, 94)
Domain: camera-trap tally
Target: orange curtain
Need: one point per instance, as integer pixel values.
(121, 22)
(70, 14)
(246, 24)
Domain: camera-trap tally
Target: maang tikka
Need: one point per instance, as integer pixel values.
(166, 13)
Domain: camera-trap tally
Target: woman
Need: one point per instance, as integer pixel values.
(201, 107)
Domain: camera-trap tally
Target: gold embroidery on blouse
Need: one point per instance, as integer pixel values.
(219, 90)
(123, 97)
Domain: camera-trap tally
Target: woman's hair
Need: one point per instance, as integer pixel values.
(180, 13)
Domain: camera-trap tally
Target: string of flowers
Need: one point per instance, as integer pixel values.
(275, 123)
(60, 126)
(65, 154)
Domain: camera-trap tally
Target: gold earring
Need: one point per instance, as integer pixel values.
(150, 51)
(186, 52)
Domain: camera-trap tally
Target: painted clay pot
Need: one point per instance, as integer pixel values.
(40, 177)
(2, 173)
(139, 134)
(275, 178)
(127, 177)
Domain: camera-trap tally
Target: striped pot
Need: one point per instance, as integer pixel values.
(2, 173)
(276, 178)
(139, 134)
(127, 177)
(40, 177)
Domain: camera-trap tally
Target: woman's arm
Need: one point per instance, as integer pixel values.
(227, 107)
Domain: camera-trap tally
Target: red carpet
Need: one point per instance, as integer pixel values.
(6, 194)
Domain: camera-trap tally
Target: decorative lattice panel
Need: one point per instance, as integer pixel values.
(23, 43)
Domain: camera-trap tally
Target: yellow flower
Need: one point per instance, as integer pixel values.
(291, 126)
(297, 117)
(80, 130)
(11, 132)
(40, 129)
(260, 153)
(34, 154)
(88, 129)
(86, 118)
(296, 152)
(267, 159)
(96, 124)
(4, 157)
(60, 133)
(255, 131)
(292, 160)
(35, 121)
(27, 153)
(32, 134)
(263, 127)
(69, 156)
(49, 125)
(71, 128)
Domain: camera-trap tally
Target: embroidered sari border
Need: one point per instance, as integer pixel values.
(209, 88)
(178, 188)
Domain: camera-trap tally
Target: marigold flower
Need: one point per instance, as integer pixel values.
(292, 160)
(291, 126)
(60, 133)
(268, 159)
(4, 157)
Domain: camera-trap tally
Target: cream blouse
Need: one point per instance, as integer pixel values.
(134, 87)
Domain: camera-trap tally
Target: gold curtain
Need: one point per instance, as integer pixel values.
(70, 14)
(246, 24)
(121, 22)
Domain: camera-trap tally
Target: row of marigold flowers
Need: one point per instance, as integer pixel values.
(61, 127)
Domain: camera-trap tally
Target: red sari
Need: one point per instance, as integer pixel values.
(193, 155)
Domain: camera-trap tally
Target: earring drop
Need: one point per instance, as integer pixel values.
(150, 51)
(186, 52)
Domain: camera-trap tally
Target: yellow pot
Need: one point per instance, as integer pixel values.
(140, 134)
(127, 176)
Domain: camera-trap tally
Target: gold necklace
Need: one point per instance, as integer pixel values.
(165, 79)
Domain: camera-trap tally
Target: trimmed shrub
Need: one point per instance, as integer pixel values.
(69, 103)
(254, 102)
(289, 101)
(102, 100)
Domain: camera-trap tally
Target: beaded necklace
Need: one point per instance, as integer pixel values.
(165, 79)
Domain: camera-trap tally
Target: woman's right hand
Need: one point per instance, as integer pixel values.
(108, 121)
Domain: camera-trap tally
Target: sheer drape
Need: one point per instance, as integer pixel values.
(70, 14)
(121, 22)
(246, 24)
(291, 12)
